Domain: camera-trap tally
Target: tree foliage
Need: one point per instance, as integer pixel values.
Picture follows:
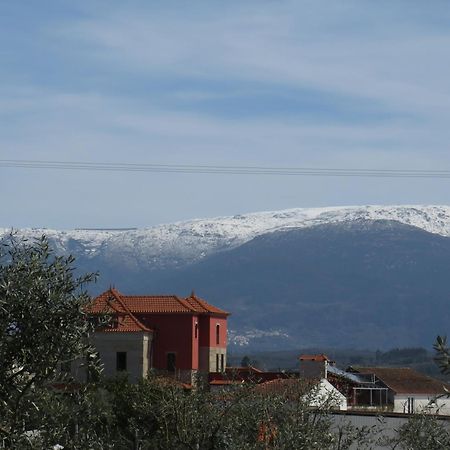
(158, 413)
(43, 323)
(423, 431)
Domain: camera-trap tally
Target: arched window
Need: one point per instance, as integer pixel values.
(217, 334)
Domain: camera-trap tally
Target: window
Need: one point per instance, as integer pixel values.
(171, 362)
(121, 361)
(196, 330)
(222, 363)
(217, 363)
(217, 334)
(410, 405)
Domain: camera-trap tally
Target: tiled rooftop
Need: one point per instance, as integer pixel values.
(404, 380)
(112, 301)
(169, 304)
(124, 321)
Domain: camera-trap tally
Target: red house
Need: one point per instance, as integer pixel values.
(166, 333)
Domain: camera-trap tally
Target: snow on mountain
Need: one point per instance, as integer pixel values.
(180, 243)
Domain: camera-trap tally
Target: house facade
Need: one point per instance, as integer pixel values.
(180, 337)
(410, 391)
(389, 389)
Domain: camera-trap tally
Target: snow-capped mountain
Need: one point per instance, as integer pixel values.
(376, 276)
(180, 243)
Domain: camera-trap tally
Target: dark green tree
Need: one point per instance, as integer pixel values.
(159, 413)
(442, 354)
(422, 431)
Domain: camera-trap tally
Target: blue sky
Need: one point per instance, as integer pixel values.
(357, 84)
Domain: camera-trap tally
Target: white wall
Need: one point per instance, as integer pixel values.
(136, 345)
(421, 402)
(324, 394)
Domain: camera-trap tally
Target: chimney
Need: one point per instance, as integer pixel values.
(314, 366)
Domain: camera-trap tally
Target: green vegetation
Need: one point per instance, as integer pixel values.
(43, 325)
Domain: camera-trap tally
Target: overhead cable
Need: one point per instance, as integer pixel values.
(223, 169)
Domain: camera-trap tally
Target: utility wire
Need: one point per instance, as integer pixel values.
(225, 170)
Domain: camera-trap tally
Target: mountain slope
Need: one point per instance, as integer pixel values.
(179, 244)
(366, 284)
(363, 276)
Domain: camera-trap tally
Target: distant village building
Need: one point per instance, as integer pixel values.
(410, 391)
(314, 389)
(389, 389)
(180, 337)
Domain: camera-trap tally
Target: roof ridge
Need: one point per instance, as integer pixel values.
(196, 302)
(184, 302)
(207, 306)
(116, 296)
(128, 312)
(158, 304)
(151, 296)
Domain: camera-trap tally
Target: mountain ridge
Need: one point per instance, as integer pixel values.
(180, 243)
(361, 284)
(274, 269)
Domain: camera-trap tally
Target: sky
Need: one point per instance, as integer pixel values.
(348, 84)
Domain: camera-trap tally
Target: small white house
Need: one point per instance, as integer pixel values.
(324, 394)
(410, 391)
(317, 393)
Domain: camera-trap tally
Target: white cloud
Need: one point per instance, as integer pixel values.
(402, 68)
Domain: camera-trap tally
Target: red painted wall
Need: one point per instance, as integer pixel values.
(208, 326)
(195, 342)
(176, 333)
(173, 333)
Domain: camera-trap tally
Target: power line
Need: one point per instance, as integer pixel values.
(223, 169)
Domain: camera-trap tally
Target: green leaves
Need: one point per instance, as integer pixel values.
(442, 354)
(42, 323)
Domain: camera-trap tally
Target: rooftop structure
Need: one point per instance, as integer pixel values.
(178, 336)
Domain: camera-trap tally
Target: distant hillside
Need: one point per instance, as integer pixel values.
(365, 284)
(416, 358)
(361, 277)
(179, 244)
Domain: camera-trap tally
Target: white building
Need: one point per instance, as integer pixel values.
(410, 391)
(316, 393)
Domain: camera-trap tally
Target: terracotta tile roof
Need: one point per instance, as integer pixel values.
(157, 304)
(201, 305)
(403, 380)
(123, 320)
(125, 323)
(286, 386)
(320, 357)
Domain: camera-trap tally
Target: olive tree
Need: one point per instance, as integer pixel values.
(44, 324)
(159, 413)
